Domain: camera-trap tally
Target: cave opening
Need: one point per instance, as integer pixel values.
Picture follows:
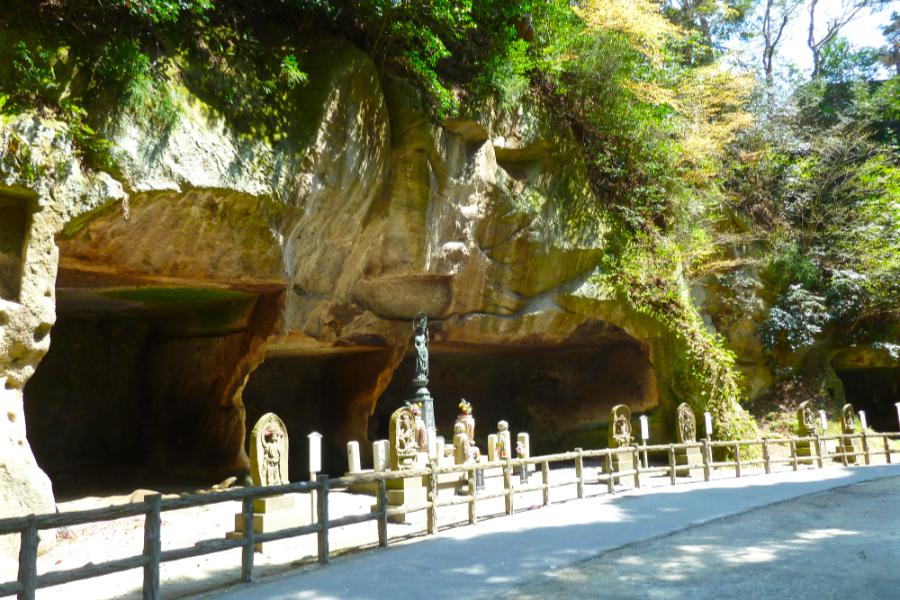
(874, 390)
(561, 395)
(327, 390)
(141, 384)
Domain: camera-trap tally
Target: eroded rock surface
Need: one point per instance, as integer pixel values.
(334, 240)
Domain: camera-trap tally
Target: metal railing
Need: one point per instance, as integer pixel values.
(609, 473)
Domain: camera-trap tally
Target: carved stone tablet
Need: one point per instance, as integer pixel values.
(807, 420)
(269, 451)
(848, 419)
(620, 426)
(403, 439)
(686, 426)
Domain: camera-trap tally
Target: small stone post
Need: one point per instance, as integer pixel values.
(353, 461)
(707, 421)
(315, 465)
(645, 436)
(380, 453)
(492, 447)
(898, 413)
(824, 419)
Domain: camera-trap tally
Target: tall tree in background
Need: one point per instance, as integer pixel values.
(775, 18)
(849, 10)
(890, 54)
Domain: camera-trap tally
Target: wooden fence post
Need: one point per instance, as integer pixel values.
(819, 451)
(382, 513)
(610, 482)
(637, 468)
(672, 464)
(865, 443)
(507, 486)
(767, 459)
(579, 472)
(322, 485)
(28, 550)
(794, 454)
(152, 546)
(432, 499)
(737, 459)
(706, 461)
(887, 449)
(248, 550)
(473, 500)
(545, 478)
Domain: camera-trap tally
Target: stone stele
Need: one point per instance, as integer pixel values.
(269, 451)
(403, 439)
(689, 460)
(620, 435)
(848, 427)
(807, 425)
(269, 466)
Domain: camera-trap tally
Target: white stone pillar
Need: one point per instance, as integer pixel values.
(492, 447)
(707, 420)
(439, 444)
(824, 420)
(862, 420)
(380, 455)
(353, 462)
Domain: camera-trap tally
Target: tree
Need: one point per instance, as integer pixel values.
(890, 53)
(776, 15)
(849, 10)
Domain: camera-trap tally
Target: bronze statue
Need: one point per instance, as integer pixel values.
(420, 340)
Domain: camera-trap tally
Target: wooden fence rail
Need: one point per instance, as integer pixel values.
(28, 527)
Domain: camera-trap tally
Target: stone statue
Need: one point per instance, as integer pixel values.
(848, 419)
(619, 426)
(269, 451)
(420, 340)
(687, 424)
(807, 421)
(461, 447)
(421, 430)
(503, 440)
(403, 439)
(465, 417)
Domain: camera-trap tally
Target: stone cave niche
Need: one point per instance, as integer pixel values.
(330, 390)
(15, 217)
(561, 395)
(141, 385)
(873, 390)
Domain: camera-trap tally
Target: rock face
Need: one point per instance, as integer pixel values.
(213, 252)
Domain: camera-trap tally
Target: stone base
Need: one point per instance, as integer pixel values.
(410, 490)
(620, 462)
(690, 462)
(806, 453)
(275, 513)
(854, 445)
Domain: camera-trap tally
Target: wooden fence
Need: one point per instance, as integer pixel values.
(153, 506)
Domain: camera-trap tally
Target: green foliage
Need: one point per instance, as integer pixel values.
(795, 321)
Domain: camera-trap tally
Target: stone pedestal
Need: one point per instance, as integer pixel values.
(408, 491)
(621, 462)
(849, 445)
(689, 462)
(274, 514)
(806, 453)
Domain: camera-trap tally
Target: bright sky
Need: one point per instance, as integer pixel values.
(865, 30)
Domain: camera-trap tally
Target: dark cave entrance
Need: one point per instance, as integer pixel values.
(874, 390)
(561, 395)
(328, 390)
(138, 386)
